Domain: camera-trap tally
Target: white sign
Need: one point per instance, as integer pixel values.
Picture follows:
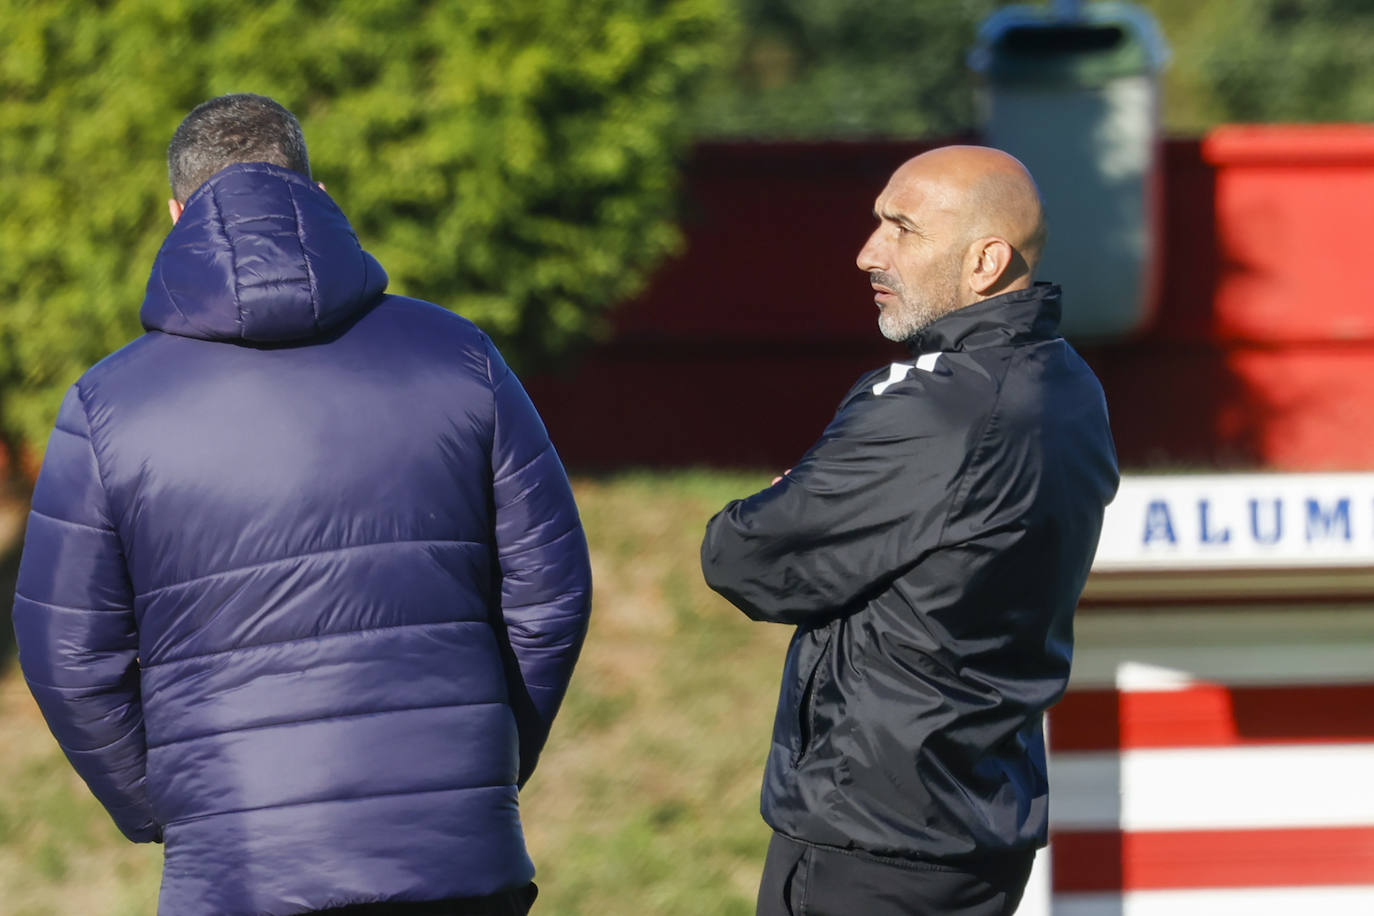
(1220, 521)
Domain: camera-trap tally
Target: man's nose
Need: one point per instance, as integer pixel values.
(870, 256)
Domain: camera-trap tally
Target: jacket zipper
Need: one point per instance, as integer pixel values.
(806, 725)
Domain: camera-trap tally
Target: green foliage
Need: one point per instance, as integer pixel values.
(514, 160)
(811, 69)
(1268, 60)
(816, 69)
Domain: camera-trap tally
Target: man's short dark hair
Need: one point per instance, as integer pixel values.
(242, 127)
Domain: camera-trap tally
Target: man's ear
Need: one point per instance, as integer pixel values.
(174, 208)
(991, 258)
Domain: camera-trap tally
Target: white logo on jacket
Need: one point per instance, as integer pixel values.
(899, 371)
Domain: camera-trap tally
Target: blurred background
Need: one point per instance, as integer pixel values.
(654, 206)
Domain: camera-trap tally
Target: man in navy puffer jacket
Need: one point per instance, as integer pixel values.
(304, 582)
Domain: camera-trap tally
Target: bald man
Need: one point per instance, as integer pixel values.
(929, 550)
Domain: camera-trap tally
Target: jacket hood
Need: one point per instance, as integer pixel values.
(260, 254)
(1025, 314)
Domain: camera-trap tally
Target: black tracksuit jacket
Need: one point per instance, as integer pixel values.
(930, 550)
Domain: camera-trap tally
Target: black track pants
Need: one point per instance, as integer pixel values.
(801, 880)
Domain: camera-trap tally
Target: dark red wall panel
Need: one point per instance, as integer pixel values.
(741, 347)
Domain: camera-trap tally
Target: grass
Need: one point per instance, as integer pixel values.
(59, 852)
(645, 801)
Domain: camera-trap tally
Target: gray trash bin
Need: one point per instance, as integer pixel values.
(1072, 91)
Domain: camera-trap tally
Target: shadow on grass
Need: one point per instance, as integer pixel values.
(15, 495)
(9, 576)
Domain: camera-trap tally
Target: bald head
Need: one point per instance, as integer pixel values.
(957, 225)
(987, 191)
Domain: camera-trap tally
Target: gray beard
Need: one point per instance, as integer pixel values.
(900, 328)
(909, 315)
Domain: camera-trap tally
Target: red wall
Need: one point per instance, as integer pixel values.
(1261, 353)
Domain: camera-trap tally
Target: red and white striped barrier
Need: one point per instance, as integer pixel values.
(1210, 798)
(1215, 754)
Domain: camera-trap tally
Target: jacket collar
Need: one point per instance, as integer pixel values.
(260, 254)
(1027, 314)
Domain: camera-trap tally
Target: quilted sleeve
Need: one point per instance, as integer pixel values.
(74, 625)
(545, 573)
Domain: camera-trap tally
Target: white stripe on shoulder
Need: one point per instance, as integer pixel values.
(899, 371)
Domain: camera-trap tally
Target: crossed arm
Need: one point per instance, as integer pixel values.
(836, 528)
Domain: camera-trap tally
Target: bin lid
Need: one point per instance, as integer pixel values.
(1034, 45)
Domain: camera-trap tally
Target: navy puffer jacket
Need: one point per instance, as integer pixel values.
(304, 582)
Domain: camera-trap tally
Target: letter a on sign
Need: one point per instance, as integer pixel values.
(1159, 525)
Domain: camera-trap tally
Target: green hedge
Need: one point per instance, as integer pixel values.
(1279, 60)
(514, 160)
(827, 69)
(822, 69)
